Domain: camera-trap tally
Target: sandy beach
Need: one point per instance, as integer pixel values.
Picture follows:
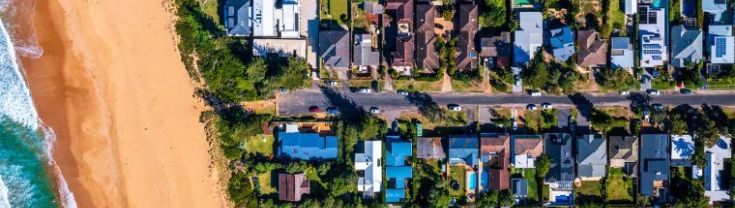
(112, 87)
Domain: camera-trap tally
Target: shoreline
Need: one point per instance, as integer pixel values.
(114, 91)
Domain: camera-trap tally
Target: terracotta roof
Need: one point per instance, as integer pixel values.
(401, 13)
(430, 148)
(534, 147)
(468, 25)
(292, 186)
(499, 145)
(427, 56)
(592, 49)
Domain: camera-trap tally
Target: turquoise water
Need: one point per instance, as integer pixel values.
(22, 167)
(472, 180)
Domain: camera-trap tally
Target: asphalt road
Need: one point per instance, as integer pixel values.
(298, 102)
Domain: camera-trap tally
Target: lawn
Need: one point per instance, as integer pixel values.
(211, 8)
(457, 173)
(616, 18)
(618, 187)
(456, 118)
(372, 84)
(530, 175)
(588, 191)
(540, 120)
(265, 183)
(721, 83)
(260, 144)
(602, 120)
(467, 86)
(420, 86)
(661, 83)
(335, 10)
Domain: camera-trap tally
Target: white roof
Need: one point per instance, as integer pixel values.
(682, 147)
(271, 20)
(653, 41)
(369, 161)
(524, 161)
(631, 6)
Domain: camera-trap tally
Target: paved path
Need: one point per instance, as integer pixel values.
(298, 102)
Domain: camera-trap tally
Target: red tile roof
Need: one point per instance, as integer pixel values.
(292, 186)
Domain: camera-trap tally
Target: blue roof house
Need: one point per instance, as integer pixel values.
(236, 17)
(396, 169)
(306, 146)
(562, 43)
(464, 149)
(528, 37)
(621, 53)
(654, 167)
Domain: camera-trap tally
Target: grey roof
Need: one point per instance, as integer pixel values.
(623, 147)
(654, 161)
(372, 7)
(363, 53)
(715, 7)
(723, 34)
(528, 37)
(334, 48)
(687, 46)
(591, 156)
(559, 148)
(464, 149)
(621, 53)
(236, 14)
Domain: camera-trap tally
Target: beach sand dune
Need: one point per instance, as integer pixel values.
(113, 88)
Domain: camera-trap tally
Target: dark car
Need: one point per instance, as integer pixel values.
(332, 111)
(314, 109)
(685, 91)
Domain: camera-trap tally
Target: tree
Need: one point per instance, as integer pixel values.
(342, 184)
(487, 199)
(536, 75)
(296, 74)
(698, 158)
(543, 164)
(256, 70)
(505, 198)
(616, 79)
(439, 198)
(694, 196)
(678, 125)
(708, 132)
(495, 14)
(296, 167)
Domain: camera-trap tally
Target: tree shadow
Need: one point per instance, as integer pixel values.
(583, 104)
(351, 111)
(639, 102)
(427, 107)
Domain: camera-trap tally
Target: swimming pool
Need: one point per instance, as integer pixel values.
(472, 180)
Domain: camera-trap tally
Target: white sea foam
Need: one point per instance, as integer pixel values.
(4, 201)
(15, 99)
(65, 194)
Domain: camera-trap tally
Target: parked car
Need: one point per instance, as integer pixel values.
(547, 106)
(314, 109)
(282, 89)
(624, 93)
(535, 93)
(654, 92)
(685, 91)
(332, 111)
(403, 92)
(454, 107)
(374, 110)
(531, 107)
(332, 83)
(364, 90)
(657, 106)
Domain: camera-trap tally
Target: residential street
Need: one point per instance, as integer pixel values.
(298, 102)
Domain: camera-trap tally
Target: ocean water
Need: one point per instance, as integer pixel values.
(29, 176)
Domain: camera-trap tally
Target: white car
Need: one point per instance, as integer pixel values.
(332, 83)
(624, 93)
(535, 94)
(374, 110)
(403, 92)
(531, 107)
(454, 107)
(364, 90)
(654, 92)
(547, 106)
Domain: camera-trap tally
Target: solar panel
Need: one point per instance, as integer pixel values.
(720, 47)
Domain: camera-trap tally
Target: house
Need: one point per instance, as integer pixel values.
(714, 174)
(654, 167)
(528, 37)
(652, 36)
(235, 17)
(721, 44)
(591, 157)
(463, 149)
(397, 171)
(717, 9)
(495, 157)
(631, 7)
(365, 53)
(525, 149)
(682, 149)
(467, 26)
(427, 57)
(368, 164)
(271, 18)
(496, 51)
(623, 153)
(372, 7)
(592, 49)
(430, 148)
(562, 43)
(399, 33)
(291, 187)
(621, 53)
(686, 46)
(561, 174)
(334, 50)
(306, 146)
(520, 187)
